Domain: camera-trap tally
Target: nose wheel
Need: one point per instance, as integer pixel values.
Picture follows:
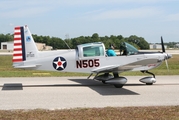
(148, 80)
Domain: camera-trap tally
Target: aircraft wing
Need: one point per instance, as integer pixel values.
(112, 68)
(124, 67)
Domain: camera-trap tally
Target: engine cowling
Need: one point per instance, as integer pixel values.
(148, 80)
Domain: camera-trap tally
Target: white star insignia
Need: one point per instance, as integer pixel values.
(59, 63)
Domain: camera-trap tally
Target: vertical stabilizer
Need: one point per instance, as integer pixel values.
(24, 46)
(19, 50)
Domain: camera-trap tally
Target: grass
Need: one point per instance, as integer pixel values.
(6, 70)
(107, 113)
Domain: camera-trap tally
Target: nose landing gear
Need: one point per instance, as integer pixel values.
(148, 80)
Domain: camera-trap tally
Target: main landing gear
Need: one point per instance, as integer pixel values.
(119, 81)
(114, 79)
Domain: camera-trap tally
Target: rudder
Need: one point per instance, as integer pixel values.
(24, 46)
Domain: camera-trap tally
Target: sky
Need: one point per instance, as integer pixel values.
(149, 19)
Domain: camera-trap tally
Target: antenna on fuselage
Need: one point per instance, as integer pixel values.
(67, 38)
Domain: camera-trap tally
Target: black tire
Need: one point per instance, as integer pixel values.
(149, 83)
(103, 81)
(118, 86)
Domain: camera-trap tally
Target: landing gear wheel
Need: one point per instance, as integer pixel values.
(118, 86)
(103, 81)
(149, 83)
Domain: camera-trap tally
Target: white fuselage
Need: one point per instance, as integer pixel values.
(73, 63)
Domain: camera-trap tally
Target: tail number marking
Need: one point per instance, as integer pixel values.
(30, 54)
(87, 63)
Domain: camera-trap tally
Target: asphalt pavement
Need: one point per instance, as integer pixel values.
(79, 92)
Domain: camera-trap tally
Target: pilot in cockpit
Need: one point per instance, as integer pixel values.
(110, 51)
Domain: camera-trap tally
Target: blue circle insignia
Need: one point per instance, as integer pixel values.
(59, 63)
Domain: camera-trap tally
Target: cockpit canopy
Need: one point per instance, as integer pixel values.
(97, 49)
(91, 49)
(127, 49)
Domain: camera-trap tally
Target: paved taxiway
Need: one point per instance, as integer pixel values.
(72, 92)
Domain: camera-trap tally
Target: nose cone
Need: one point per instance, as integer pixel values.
(168, 56)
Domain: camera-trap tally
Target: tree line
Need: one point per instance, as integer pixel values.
(58, 43)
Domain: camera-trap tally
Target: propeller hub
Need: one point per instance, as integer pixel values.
(167, 56)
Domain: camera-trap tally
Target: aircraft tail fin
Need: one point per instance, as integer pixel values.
(24, 46)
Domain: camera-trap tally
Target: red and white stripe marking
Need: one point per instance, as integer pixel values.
(17, 53)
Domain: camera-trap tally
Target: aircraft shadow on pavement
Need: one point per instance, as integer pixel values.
(12, 86)
(103, 89)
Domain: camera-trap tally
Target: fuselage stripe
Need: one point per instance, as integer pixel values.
(17, 44)
(17, 38)
(17, 49)
(17, 54)
(17, 33)
(17, 60)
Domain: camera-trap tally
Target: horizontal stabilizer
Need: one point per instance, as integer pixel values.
(27, 66)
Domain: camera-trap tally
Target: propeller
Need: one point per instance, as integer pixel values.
(166, 62)
(167, 56)
(163, 47)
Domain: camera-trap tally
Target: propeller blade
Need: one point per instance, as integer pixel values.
(167, 56)
(167, 65)
(163, 48)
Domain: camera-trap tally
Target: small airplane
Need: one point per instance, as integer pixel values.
(86, 58)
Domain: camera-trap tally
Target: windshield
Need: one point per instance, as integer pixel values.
(127, 49)
(93, 51)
